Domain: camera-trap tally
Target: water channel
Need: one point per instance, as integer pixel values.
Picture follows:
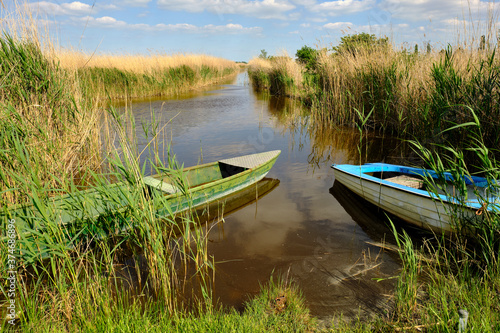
(306, 227)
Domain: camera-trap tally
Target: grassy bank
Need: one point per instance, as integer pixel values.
(278, 308)
(410, 94)
(128, 76)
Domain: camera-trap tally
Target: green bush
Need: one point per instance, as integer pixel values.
(307, 56)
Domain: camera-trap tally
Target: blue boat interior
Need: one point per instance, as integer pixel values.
(415, 180)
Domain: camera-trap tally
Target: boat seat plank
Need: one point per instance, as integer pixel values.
(160, 185)
(407, 181)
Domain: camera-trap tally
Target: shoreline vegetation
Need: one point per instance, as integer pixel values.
(53, 102)
(445, 104)
(132, 76)
(159, 276)
(408, 93)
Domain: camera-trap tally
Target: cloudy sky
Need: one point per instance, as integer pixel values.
(240, 29)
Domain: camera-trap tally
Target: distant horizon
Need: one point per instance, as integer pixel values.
(239, 29)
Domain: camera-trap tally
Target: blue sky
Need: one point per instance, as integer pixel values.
(240, 29)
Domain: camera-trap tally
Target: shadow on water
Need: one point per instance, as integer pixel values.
(370, 219)
(374, 221)
(322, 242)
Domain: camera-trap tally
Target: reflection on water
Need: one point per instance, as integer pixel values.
(298, 229)
(209, 216)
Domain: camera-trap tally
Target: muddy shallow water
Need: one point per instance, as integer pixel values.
(306, 227)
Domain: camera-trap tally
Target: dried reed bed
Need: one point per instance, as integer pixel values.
(128, 76)
(282, 75)
(74, 60)
(260, 63)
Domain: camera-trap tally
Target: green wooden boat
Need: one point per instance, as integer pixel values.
(105, 209)
(210, 182)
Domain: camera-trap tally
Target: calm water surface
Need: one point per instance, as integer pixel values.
(307, 227)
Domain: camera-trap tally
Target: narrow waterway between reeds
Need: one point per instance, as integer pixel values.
(304, 225)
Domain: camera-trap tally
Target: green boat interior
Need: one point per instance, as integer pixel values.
(193, 177)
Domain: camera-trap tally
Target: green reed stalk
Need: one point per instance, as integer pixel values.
(460, 271)
(70, 273)
(407, 287)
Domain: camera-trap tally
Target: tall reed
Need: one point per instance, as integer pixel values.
(280, 74)
(68, 273)
(116, 255)
(46, 134)
(459, 272)
(411, 94)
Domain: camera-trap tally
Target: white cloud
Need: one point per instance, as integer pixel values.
(342, 7)
(77, 7)
(348, 27)
(338, 25)
(317, 19)
(264, 9)
(425, 10)
(207, 29)
(69, 8)
(110, 22)
(228, 29)
(379, 29)
(304, 2)
(107, 20)
(102, 22)
(173, 27)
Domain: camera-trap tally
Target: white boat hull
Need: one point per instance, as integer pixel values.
(418, 209)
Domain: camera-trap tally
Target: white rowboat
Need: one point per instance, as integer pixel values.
(400, 191)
